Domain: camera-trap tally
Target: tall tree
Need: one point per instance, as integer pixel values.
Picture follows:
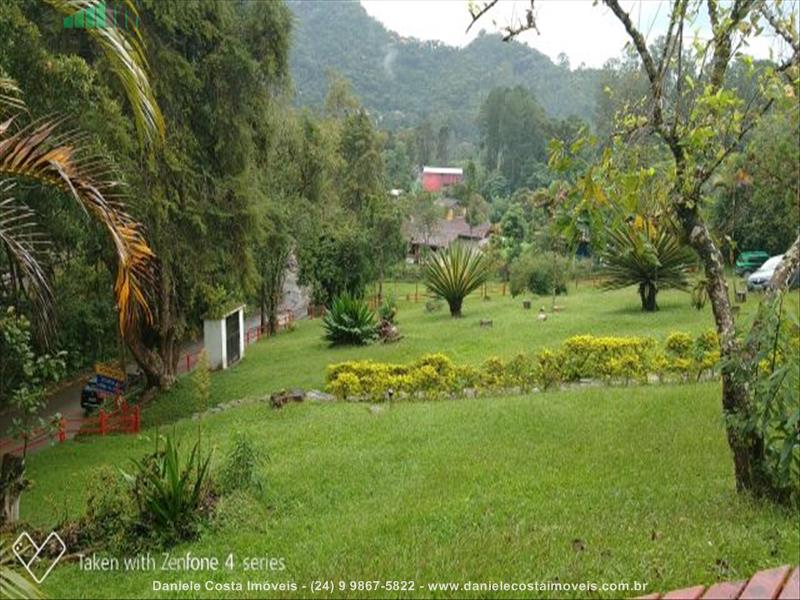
(209, 180)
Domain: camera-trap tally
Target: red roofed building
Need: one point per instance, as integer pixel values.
(434, 179)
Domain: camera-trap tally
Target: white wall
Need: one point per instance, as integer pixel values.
(214, 341)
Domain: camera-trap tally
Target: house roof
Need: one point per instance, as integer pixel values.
(442, 171)
(447, 231)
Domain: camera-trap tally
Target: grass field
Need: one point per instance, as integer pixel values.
(600, 485)
(299, 358)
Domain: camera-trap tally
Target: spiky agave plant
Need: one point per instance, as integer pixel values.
(349, 320)
(455, 272)
(648, 255)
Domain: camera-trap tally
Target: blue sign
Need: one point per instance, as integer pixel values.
(107, 384)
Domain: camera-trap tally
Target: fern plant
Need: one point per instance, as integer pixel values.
(454, 273)
(349, 321)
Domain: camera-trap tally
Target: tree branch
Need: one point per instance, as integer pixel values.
(788, 267)
(511, 30)
(792, 40)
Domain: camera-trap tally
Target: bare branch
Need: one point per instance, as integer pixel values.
(790, 36)
(511, 30)
(477, 12)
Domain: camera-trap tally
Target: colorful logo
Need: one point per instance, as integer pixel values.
(100, 16)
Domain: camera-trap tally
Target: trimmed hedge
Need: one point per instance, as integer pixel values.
(609, 359)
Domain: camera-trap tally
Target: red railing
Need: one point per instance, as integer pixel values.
(123, 419)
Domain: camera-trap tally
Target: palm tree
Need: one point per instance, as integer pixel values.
(456, 272)
(42, 152)
(643, 253)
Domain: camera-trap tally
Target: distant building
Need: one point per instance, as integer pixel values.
(445, 232)
(434, 179)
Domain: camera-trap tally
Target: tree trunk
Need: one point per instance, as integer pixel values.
(647, 294)
(263, 307)
(156, 347)
(455, 307)
(12, 482)
(746, 451)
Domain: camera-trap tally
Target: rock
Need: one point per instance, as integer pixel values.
(278, 399)
(294, 297)
(486, 323)
(317, 396)
(470, 392)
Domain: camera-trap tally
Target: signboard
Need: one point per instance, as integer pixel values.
(106, 384)
(109, 378)
(109, 370)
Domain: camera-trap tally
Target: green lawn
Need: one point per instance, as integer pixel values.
(299, 358)
(600, 485)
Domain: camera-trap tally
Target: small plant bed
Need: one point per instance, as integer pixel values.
(581, 359)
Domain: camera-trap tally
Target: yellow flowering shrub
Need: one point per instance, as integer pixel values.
(611, 358)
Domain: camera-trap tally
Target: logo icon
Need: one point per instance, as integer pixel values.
(102, 16)
(35, 558)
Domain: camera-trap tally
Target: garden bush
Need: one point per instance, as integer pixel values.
(349, 321)
(542, 274)
(111, 513)
(611, 359)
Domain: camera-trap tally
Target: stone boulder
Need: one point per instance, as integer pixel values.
(279, 399)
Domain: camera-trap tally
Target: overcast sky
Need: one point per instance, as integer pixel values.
(585, 33)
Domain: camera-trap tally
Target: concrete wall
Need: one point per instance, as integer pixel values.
(214, 342)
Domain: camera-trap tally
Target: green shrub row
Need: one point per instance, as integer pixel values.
(610, 359)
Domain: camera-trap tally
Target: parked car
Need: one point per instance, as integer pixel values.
(761, 278)
(749, 262)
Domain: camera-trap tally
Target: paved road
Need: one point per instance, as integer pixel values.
(67, 399)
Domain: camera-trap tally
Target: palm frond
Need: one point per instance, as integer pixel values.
(38, 152)
(28, 248)
(124, 50)
(11, 101)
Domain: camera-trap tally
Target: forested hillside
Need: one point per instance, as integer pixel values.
(404, 80)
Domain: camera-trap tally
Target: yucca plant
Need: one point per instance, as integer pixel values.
(168, 491)
(647, 255)
(454, 273)
(349, 321)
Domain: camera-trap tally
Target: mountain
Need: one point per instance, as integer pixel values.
(403, 80)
